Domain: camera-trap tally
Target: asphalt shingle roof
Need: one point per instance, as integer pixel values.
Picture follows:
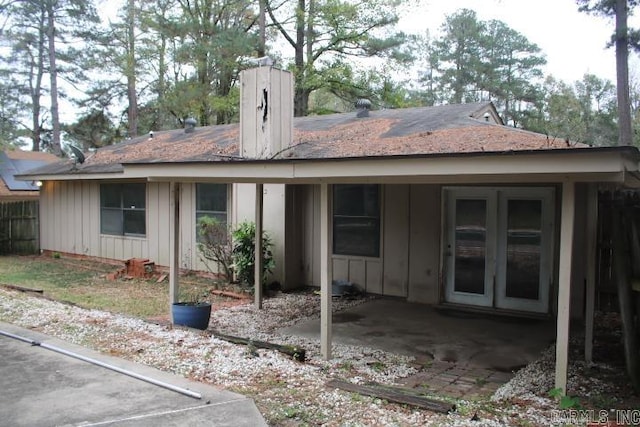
(459, 128)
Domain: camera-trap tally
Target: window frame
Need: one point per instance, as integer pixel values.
(199, 213)
(121, 211)
(375, 250)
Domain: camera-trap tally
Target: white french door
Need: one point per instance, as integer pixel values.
(498, 247)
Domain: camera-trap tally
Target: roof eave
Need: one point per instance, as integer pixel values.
(605, 165)
(68, 176)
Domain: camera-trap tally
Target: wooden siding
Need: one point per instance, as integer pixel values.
(395, 241)
(293, 238)
(310, 210)
(410, 244)
(424, 243)
(71, 224)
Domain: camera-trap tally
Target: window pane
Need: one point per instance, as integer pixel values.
(133, 196)
(524, 228)
(110, 196)
(470, 245)
(111, 221)
(356, 236)
(218, 235)
(356, 220)
(356, 200)
(134, 222)
(211, 197)
(219, 216)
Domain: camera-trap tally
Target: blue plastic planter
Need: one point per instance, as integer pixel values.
(192, 315)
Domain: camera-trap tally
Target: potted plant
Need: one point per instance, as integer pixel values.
(195, 312)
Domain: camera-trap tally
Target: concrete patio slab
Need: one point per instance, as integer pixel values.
(458, 353)
(477, 339)
(41, 387)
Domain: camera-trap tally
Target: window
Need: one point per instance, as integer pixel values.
(211, 200)
(122, 209)
(356, 220)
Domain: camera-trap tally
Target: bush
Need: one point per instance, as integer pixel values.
(215, 245)
(244, 253)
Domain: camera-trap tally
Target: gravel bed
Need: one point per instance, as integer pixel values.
(287, 392)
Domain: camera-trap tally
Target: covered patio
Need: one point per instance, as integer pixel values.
(399, 325)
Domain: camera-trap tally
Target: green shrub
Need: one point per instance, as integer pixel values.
(244, 253)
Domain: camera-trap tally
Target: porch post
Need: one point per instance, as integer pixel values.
(326, 273)
(564, 284)
(592, 240)
(257, 278)
(174, 242)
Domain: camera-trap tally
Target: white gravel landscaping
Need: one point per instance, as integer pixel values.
(287, 392)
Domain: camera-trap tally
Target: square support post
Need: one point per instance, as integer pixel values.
(326, 272)
(564, 285)
(174, 243)
(592, 258)
(257, 278)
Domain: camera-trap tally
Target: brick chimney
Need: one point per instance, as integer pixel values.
(266, 112)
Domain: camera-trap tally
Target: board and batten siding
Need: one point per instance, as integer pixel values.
(71, 224)
(409, 260)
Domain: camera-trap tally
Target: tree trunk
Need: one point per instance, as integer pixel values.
(262, 51)
(53, 74)
(132, 97)
(301, 99)
(625, 135)
(36, 87)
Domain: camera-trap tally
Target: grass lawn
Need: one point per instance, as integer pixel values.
(84, 282)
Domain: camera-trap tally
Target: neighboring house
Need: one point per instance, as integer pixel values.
(15, 162)
(439, 205)
(19, 230)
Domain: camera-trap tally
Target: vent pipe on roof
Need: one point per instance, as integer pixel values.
(190, 125)
(150, 134)
(362, 107)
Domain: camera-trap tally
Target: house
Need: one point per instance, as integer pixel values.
(14, 162)
(439, 205)
(19, 201)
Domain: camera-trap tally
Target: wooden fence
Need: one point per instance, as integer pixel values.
(19, 228)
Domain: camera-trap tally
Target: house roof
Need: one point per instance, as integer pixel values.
(16, 162)
(459, 129)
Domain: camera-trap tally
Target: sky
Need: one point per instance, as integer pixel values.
(574, 42)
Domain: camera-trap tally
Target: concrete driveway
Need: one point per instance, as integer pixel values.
(41, 387)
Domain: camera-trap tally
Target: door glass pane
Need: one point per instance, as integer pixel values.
(470, 245)
(524, 221)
